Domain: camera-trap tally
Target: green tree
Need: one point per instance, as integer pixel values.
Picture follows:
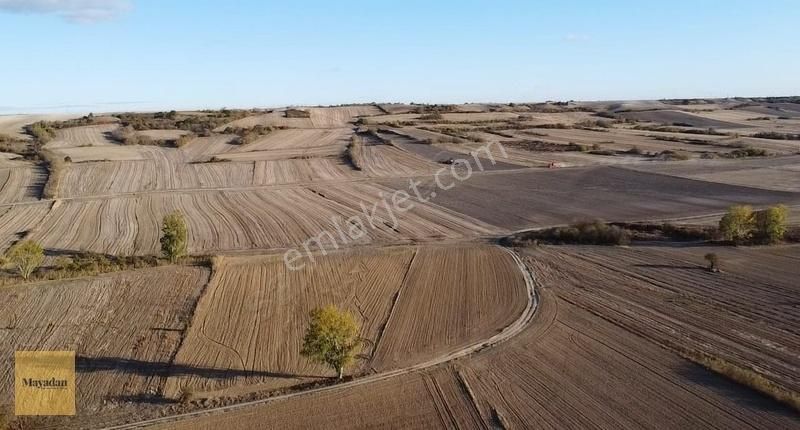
(737, 225)
(332, 338)
(174, 238)
(26, 256)
(770, 224)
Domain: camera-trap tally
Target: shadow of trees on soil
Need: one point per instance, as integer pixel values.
(737, 393)
(85, 364)
(672, 266)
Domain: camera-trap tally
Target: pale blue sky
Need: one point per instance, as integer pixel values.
(149, 54)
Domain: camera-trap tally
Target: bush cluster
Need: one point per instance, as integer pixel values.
(583, 233)
(127, 135)
(42, 131)
(251, 134)
(746, 152)
(201, 124)
(670, 155)
(297, 113)
(777, 136)
(355, 152)
(741, 225)
(670, 129)
(667, 231)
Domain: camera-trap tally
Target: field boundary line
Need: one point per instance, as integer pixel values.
(394, 306)
(508, 332)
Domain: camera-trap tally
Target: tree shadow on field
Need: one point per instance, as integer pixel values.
(671, 266)
(148, 368)
(153, 399)
(739, 394)
(61, 252)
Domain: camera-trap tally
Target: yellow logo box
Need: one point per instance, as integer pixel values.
(44, 383)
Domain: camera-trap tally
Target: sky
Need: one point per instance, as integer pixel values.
(112, 55)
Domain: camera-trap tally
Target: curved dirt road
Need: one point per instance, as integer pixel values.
(508, 332)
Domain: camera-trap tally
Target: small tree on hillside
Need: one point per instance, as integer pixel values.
(713, 262)
(26, 256)
(770, 224)
(174, 238)
(332, 338)
(737, 225)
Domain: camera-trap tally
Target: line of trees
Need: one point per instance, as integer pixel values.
(26, 256)
(742, 225)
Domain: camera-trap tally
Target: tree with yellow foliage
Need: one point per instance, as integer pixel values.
(332, 338)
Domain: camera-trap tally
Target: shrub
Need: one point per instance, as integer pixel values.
(249, 135)
(63, 263)
(747, 152)
(55, 168)
(174, 239)
(777, 136)
(770, 224)
(297, 113)
(670, 155)
(26, 256)
(355, 152)
(41, 131)
(433, 116)
(667, 231)
(124, 134)
(183, 140)
(186, 395)
(713, 262)
(737, 225)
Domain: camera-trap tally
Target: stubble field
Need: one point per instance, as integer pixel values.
(603, 349)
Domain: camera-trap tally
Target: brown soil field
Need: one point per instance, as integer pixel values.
(299, 139)
(437, 153)
(387, 160)
(670, 117)
(13, 125)
(624, 140)
(327, 151)
(84, 154)
(777, 109)
(779, 173)
(390, 291)
(159, 173)
(124, 328)
(530, 199)
(424, 401)
(203, 148)
(162, 134)
(92, 135)
(451, 344)
(301, 170)
(577, 364)
(747, 314)
(17, 220)
(231, 220)
(21, 184)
